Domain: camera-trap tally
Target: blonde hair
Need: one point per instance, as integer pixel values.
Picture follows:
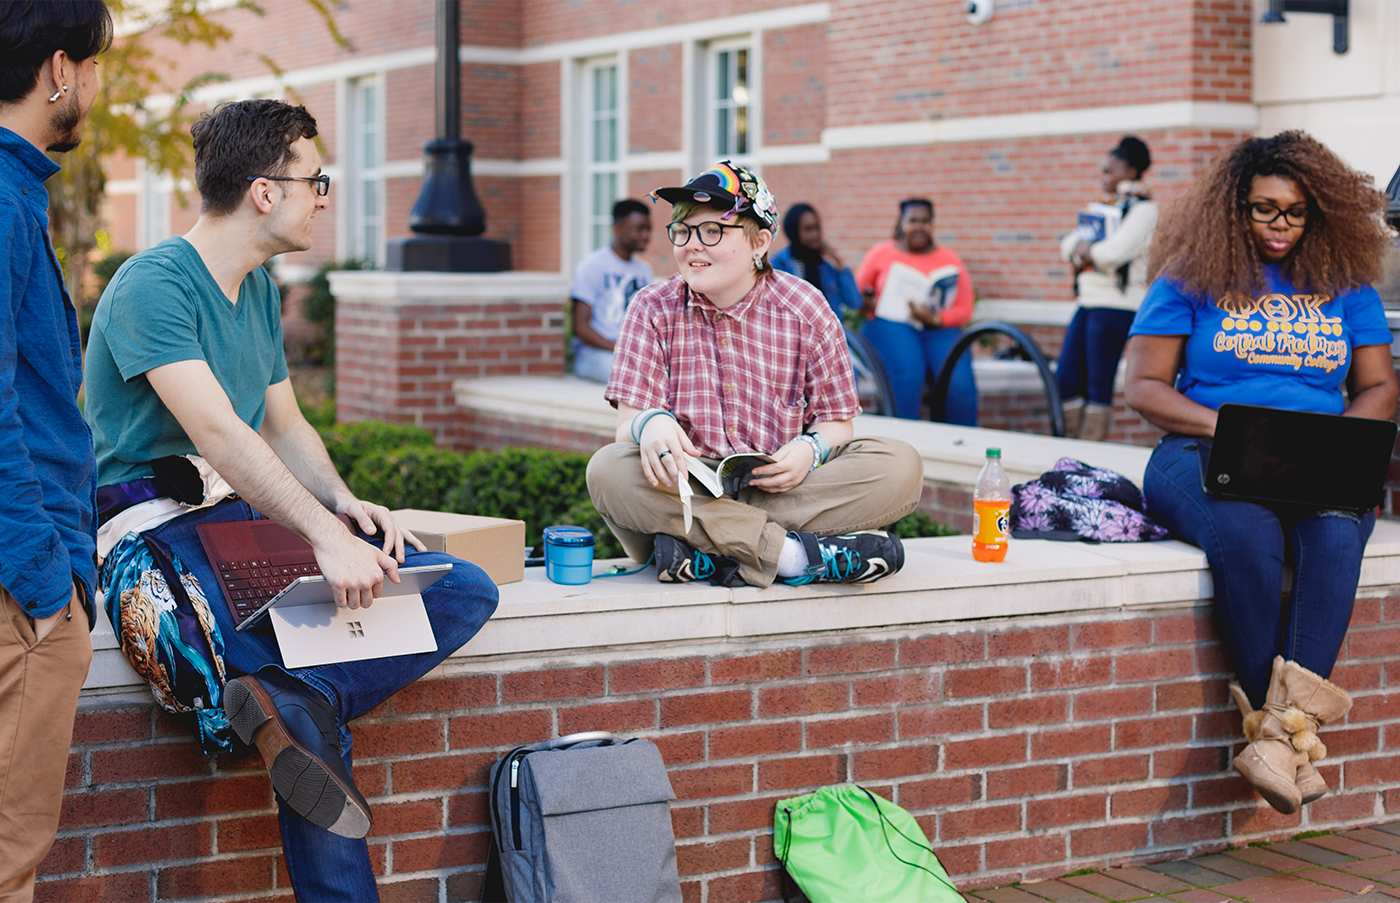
(752, 227)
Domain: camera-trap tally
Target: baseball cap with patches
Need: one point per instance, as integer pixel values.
(728, 184)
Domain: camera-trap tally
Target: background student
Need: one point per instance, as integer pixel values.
(913, 348)
(604, 283)
(1110, 281)
(808, 256)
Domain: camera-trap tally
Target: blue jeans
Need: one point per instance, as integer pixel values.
(1246, 545)
(1089, 359)
(322, 865)
(591, 363)
(913, 357)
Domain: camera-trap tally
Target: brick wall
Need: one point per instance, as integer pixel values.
(1026, 748)
(397, 363)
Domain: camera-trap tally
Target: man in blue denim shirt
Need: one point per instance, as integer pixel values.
(48, 82)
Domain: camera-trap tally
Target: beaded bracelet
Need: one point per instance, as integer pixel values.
(816, 450)
(638, 428)
(823, 446)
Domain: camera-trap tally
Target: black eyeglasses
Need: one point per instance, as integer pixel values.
(322, 183)
(1263, 212)
(710, 233)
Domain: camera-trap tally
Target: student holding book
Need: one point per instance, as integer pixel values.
(918, 297)
(1109, 255)
(730, 357)
(1262, 296)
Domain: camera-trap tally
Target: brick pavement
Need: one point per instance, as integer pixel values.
(1356, 865)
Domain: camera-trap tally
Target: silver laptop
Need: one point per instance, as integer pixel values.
(312, 630)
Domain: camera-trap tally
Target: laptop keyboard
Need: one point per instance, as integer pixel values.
(248, 584)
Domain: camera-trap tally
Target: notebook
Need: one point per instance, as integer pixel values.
(1273, 456)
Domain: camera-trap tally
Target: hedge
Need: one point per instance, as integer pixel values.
(398, 466)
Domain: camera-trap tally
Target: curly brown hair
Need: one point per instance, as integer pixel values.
(1203, 240)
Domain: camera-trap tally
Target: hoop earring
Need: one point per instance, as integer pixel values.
(758, 261)
(59, 93)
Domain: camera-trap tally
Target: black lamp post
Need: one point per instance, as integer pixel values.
(447, 218)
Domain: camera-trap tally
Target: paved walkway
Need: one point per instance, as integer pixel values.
(1354, 865)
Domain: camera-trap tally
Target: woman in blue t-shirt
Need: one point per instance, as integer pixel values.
(1262, 296)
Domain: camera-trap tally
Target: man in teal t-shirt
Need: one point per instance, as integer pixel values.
(189, 402)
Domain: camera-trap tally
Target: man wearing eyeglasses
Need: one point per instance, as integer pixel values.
(189, 401)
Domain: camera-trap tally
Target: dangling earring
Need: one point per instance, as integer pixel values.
(59, 93)
(758, 261)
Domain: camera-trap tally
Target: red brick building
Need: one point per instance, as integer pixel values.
(849, 105)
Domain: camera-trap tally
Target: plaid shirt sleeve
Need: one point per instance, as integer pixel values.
(639, 370)
(831, 386)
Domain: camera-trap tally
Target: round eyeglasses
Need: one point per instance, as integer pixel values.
(1266, 213)
(321, 183)
(709, 233)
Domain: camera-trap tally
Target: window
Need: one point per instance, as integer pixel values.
(602, 166)
(153, 217)
(365, 182)
(730, 101)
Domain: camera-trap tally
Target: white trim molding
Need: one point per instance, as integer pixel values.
(1184, 114)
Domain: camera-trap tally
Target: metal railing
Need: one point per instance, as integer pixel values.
(939, 394)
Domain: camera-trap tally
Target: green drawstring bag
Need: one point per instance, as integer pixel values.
(845, 843)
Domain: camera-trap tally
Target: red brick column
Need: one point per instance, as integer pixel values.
(402, 338)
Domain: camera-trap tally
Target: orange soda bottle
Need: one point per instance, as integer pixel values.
(991, 510)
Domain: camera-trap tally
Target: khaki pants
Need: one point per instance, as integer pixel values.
(869, 482)
(39, 685)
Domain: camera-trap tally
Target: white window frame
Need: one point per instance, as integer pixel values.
(364, 173)
(722, 62)
(602, 154)
(153, 211)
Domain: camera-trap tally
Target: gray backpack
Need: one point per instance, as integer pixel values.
(582, 819)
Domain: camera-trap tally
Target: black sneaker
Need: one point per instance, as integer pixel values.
(294, 727)
(863, 556)
(678, 562)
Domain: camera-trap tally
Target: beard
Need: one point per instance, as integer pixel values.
(67, 125)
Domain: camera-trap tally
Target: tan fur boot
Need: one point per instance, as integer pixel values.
(1073, 411)
(1283, 735)
(1096, 422)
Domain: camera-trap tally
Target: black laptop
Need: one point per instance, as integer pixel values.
(1274, 456)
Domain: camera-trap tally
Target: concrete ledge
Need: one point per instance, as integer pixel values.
(939, 583)
(393, 289)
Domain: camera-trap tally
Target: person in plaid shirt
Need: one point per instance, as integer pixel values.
(731, 357)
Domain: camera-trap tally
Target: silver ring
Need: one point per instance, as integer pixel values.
(663, 454)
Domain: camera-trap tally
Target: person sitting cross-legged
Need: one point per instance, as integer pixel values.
(728, 357)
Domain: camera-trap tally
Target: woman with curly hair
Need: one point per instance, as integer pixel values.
(1279, 240)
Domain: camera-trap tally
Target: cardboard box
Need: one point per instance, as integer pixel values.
(494, 544)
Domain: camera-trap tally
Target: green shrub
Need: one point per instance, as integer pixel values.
(917, 524)
(318, 306)
(321, 416)
(536, 485)
(347, 443)
(408, 477)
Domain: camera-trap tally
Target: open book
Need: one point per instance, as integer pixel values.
(732, 474)
(904, 284)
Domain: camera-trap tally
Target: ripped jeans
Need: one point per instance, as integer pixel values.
(1247, 546)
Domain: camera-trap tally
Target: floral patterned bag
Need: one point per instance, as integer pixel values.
(1078, 502)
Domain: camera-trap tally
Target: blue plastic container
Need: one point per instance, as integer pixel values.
(568, 554)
